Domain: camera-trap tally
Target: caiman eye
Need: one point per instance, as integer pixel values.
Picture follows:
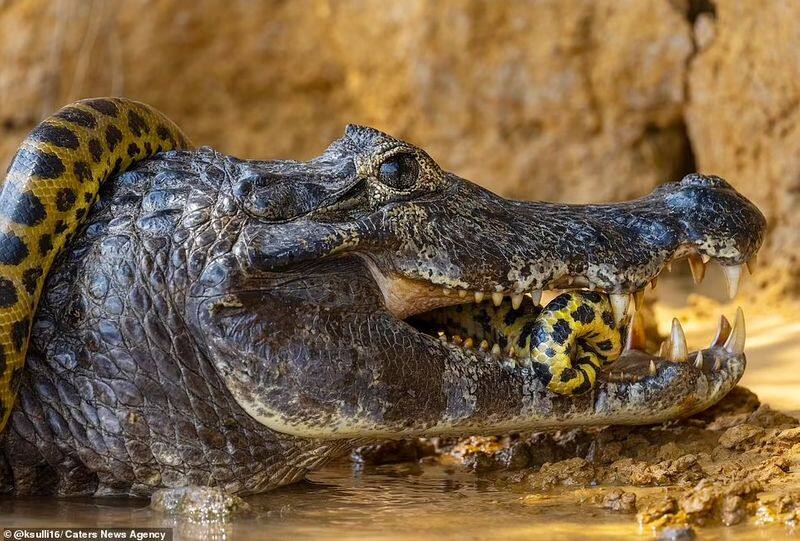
(399, 172)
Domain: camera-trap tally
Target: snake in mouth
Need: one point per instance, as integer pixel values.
(173, 316)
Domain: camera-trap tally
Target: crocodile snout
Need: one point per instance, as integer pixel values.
(714, 218)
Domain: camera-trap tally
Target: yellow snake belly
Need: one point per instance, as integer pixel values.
(52, 182)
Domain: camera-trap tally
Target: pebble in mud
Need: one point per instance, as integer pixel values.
(620, 501)
(677, 533)
(202, 504)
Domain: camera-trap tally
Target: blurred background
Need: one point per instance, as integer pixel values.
(562, 100)
(570, 100)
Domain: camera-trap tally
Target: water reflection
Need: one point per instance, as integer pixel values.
(389, 502)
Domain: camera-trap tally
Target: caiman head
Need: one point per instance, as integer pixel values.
(320, 306)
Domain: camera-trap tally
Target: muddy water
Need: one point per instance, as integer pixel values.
(390, 502)
(411, 501)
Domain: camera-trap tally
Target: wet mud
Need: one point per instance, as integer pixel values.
(738, 462)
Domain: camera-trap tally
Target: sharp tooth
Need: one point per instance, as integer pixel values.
(536, 296)
(636, 335)
(443, 337)
(654, 282)
(479, 296)
(677, 351)
(462, 293)
(668, 266)
(717, 364)
(484, 346)
(697, 267)
(497, 299)
(496, 349)
(457, 340)
(511, 351)
(652, 368)
(735, 342)
(468, 343)
(516, 301)
(619, 305)
(698, 361)
(752, 263)
(662, 350)
(723, 331)
(445, 291)
(733, 273)
(638, 299)
(705, 257)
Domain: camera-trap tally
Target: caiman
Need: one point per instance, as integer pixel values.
(173, 316)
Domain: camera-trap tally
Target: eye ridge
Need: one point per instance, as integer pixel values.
(399, 172)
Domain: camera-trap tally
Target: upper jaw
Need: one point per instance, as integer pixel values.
(475, 244)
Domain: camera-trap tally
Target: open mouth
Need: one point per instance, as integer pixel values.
(582, 334)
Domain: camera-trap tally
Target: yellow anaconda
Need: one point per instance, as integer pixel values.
(566, 341)
(51, 183)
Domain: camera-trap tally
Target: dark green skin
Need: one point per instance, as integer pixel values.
(215, 323)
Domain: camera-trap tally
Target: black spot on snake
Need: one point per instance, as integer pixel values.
(19, 333)
(65, 199)
(115, 170)
(13, 249)
(45, 244)
(39, 163)
(77, 117)
(55, 135)
(30, 278)
(583, 314)
(28, 210)
(79, 213)
(137, 124)
(568, 374)
(148, 148)
(96, 150)
(608, 319)
(165, 135)
(82, 171)
(113, 136)
(559, 303)
(605, 345)
(527, 331)
(106, 107)
(561, 331)
(585, 385)
(88, 197)
(60, 227)
(511, 317)
(550, 352)
(133, 150)
(542, 372)
(8, 293)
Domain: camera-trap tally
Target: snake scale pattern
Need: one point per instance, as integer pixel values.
(567, 340)
(52, 181)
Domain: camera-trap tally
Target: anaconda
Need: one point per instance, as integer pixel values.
(216, 321)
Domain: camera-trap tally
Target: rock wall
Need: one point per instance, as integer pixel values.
(567, 100)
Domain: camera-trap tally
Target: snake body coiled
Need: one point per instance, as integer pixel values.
(566, 341)
(51, 183)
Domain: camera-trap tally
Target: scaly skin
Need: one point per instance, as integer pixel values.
(237, 323)
(52, 181)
